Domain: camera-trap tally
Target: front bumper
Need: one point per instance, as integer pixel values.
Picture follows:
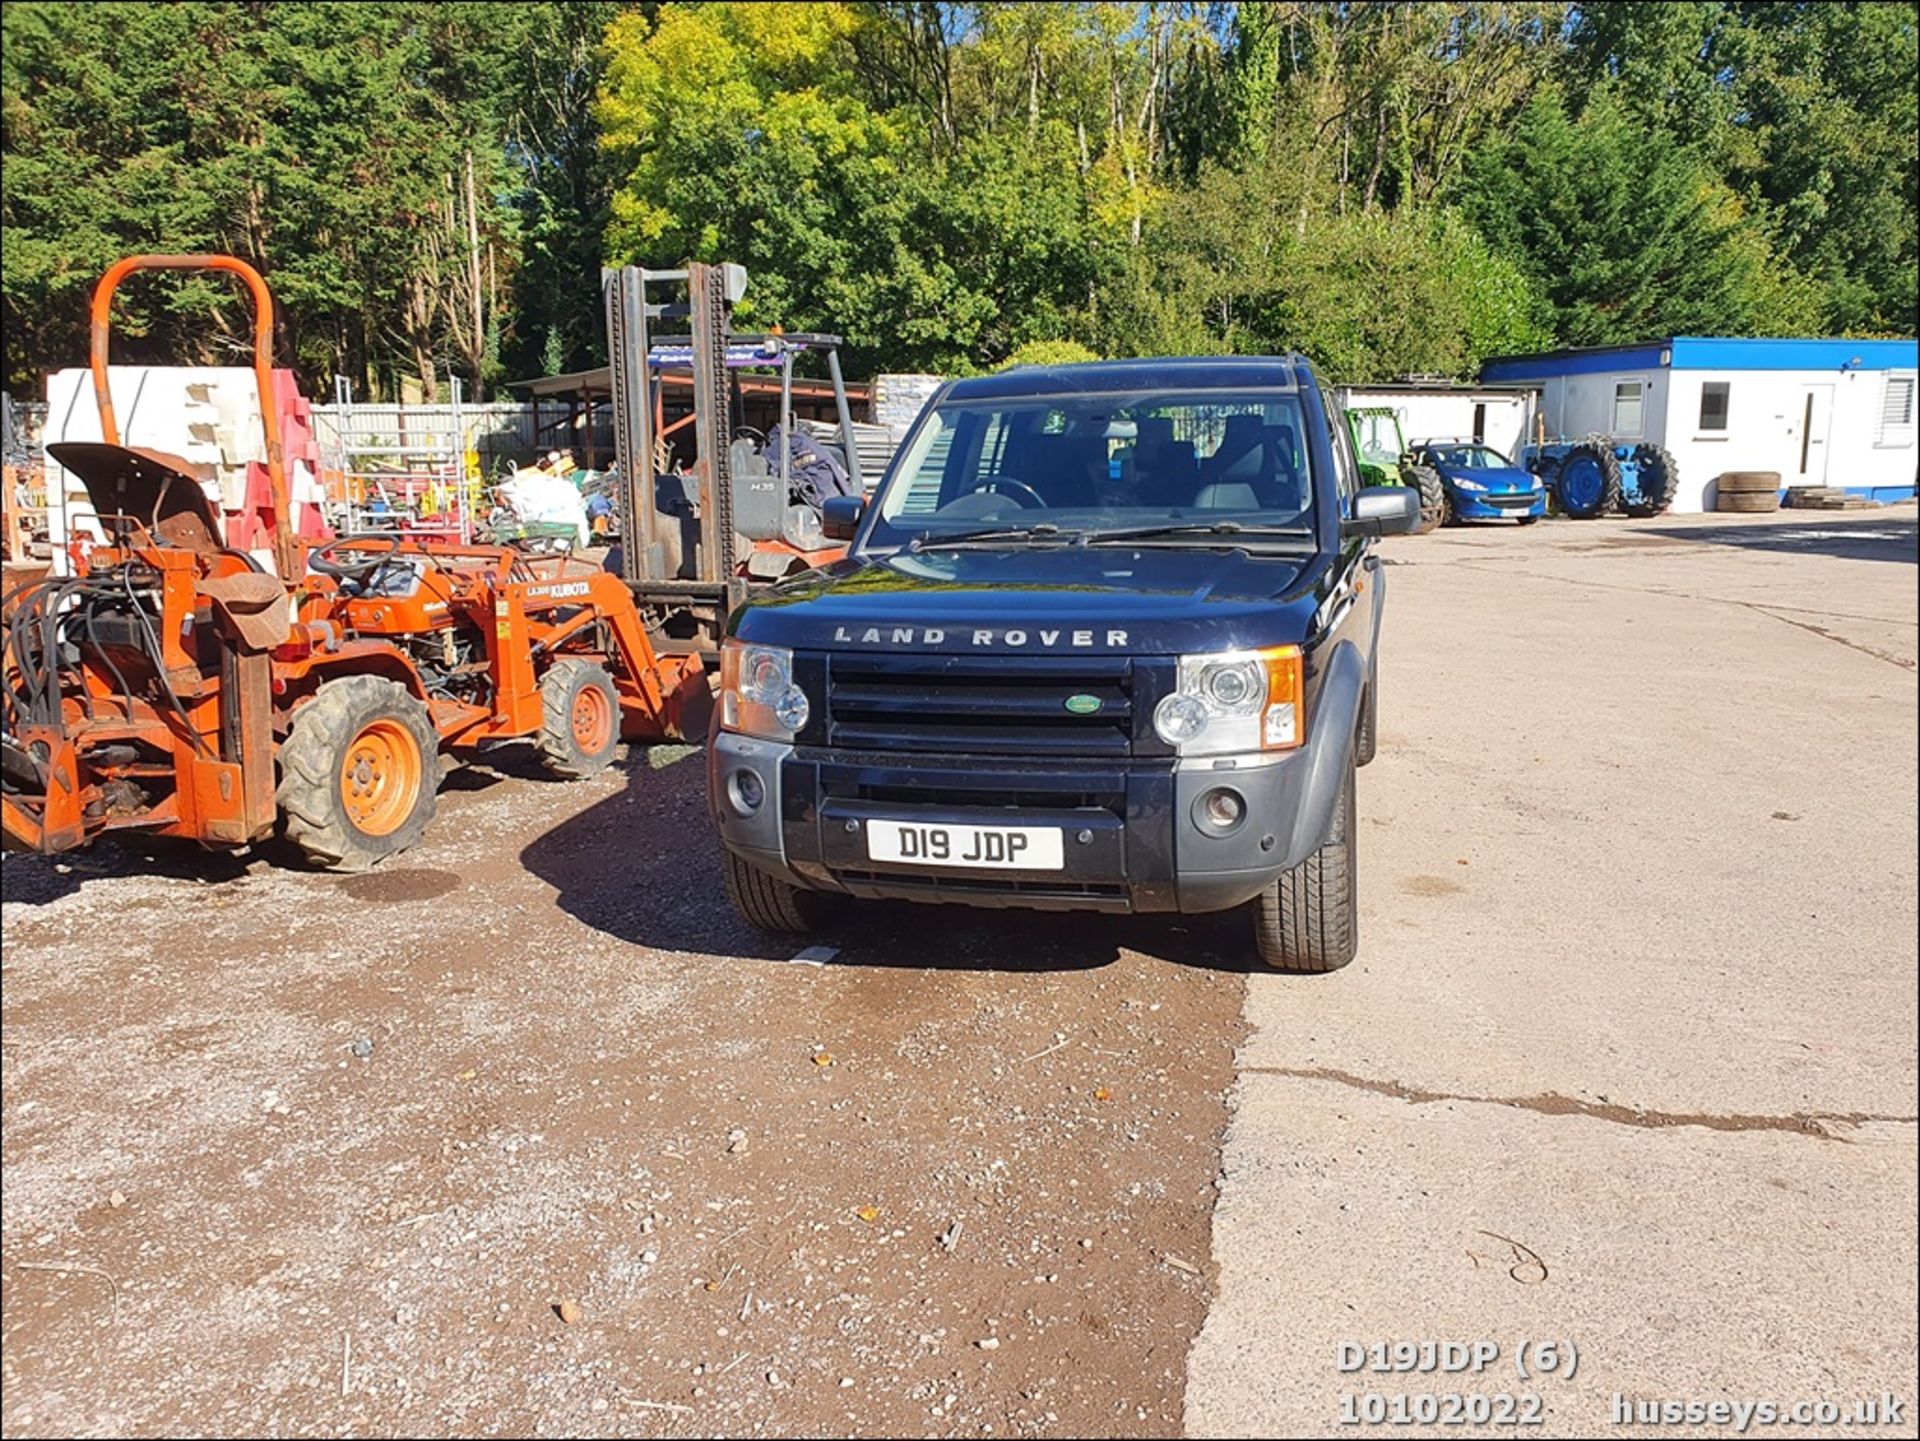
(1499, 505)
(1133, 839)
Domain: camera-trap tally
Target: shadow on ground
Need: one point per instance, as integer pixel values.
(643, 866)
(1891, 539)
(37, 880)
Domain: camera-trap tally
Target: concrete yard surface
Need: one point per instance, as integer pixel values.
(1628, 1058)
(525, 1133)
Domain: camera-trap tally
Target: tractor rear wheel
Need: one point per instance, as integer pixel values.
(358, 773)
(1589, 479)
(1659, 481)
(1433, 497)
(579, 719)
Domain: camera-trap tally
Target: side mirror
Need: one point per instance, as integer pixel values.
(840, 516)
(1384, 510)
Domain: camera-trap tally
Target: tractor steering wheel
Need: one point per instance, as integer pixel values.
(993, 487)
(383, 546)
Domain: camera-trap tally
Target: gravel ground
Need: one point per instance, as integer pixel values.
(527, 1134)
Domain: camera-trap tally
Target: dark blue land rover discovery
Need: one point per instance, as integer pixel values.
(1105, 639)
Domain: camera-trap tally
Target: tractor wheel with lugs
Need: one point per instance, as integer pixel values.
(1589, 481)
(359, 772)
(579, 719)
(1659, 482)
(1433, 496)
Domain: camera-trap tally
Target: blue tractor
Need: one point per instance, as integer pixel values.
(1591, 476)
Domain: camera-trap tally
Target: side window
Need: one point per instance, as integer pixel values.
(920, 490)
(1896, 412)
(1346, 479)
(1713, 404)
(1629, 401)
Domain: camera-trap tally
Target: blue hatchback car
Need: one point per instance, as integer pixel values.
(1481, 483)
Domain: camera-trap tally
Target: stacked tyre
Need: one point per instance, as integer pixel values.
(1748, 491)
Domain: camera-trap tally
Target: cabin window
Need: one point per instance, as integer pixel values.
(1629, 400)
(1896, 411)
(1713, 404)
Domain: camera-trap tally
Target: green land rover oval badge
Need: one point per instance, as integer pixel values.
(1083, 704)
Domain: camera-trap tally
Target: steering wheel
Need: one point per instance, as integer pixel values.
(383, 546)
(993, 487)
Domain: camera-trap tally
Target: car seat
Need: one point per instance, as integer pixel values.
(1165, 470)
(1253, 471)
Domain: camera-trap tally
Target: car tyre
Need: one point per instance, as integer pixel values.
(1308, 920)
(1367, 741)
(770, 904)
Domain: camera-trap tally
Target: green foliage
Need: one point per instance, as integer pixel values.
(1627, 232)
(1050, 352)
(1389, 186)
(328, 144)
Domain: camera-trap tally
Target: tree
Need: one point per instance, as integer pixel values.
(1628, 232)
(326, 144)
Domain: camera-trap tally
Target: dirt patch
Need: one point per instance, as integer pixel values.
(959, 1179)
(388, 887)
(1430, 886)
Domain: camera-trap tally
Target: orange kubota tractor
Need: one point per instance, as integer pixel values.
(179, 687)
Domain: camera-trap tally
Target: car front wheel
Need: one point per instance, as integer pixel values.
(1308, 921)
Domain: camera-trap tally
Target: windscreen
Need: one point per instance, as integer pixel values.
(1470, 457)
(1088, 463)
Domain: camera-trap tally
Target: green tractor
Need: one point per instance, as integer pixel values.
(1385, 460)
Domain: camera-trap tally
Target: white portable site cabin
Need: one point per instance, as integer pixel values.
(1499, 415)
(1820, 412)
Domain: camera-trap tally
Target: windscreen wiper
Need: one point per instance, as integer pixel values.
(1233, 530)
(1045, 531)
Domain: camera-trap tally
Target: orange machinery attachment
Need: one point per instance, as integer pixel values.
(177, 688)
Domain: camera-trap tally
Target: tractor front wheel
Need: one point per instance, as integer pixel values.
(358, 773)
(579, 719)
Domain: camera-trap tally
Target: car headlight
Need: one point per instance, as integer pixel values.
(1234, 702)
(758, 696)
(1465, 484)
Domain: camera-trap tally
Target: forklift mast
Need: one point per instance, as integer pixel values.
(711, 291)
(636, 298)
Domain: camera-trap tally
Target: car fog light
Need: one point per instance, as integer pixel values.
(1223, 808)
(746, 791)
